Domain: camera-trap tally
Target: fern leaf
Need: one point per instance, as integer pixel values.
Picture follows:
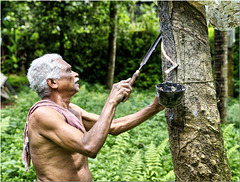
(118, 150)
(134, 169)
(151, 156)
(162, 146)
(227, 131)
(169, 176)
(231, 150)
(152, 163)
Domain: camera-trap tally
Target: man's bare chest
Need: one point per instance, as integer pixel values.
(77, 114)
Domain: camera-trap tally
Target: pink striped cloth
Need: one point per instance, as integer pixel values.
(70, 119)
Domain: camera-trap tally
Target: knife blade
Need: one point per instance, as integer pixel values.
(150, 51)
(146, 58)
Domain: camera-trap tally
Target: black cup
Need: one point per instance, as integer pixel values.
(170, 94)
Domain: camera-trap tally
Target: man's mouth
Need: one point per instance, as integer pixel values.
(76, 80)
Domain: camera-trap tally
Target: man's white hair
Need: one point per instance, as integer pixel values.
(41, 69)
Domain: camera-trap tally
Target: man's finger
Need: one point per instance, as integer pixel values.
(127, 86)
(126, 96)
(127, 93)
(125, 81)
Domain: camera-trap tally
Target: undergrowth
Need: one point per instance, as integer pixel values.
(141, 154)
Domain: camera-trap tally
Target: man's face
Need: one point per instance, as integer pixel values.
(68, 79)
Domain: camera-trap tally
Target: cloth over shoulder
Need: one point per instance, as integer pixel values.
(70, 118)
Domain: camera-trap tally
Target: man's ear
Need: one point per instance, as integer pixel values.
(52, 83)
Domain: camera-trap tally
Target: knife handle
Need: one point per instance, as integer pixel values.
(134, 77)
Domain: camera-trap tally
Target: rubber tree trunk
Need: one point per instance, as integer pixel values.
(221, 71)
(112, 44)
(195, 135)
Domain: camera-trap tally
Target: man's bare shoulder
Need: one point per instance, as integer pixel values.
(45, 113)
(46, 116)
(87, 117)
(75, 107)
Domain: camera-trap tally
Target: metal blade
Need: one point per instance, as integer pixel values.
(150, 51)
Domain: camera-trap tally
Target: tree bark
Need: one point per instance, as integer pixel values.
(62, 29)
(195, 135)
(221, 71)
(230, 72)
(112, 44)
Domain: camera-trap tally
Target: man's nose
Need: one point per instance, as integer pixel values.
(75, 74)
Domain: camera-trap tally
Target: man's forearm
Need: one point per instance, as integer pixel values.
(128, 122)
(97, 135)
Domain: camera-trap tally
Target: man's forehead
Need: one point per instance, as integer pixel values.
(64, 63)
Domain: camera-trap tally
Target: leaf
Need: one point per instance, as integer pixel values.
(232, 150)
(34, 36)
(133, 171)
(5, 123)
(162, 146)
(227, 131)
(169, 176)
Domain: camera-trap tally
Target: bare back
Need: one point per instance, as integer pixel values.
(51, 161)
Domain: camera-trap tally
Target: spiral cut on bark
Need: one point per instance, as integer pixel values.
(167, 41)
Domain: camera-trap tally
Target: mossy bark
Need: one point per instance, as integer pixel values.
(195, 135)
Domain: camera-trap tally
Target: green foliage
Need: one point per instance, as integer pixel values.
(11, 60)
(12, 120)
(134, 169)
(233, 112)
(79, 32)
(211, 41)
(169, 176)
(231, 145)
(5, 124)
(17, 81)
(152, 163)
(118, 151)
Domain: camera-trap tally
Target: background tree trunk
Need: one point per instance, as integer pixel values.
(231, 40)
(230, 72)
(195, 135)
(62, 39)
(112, 44)
(221, 71)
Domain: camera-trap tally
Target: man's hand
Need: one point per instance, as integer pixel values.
(120, 91)
(158, 106)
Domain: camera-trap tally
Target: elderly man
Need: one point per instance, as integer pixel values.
(55, 136)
